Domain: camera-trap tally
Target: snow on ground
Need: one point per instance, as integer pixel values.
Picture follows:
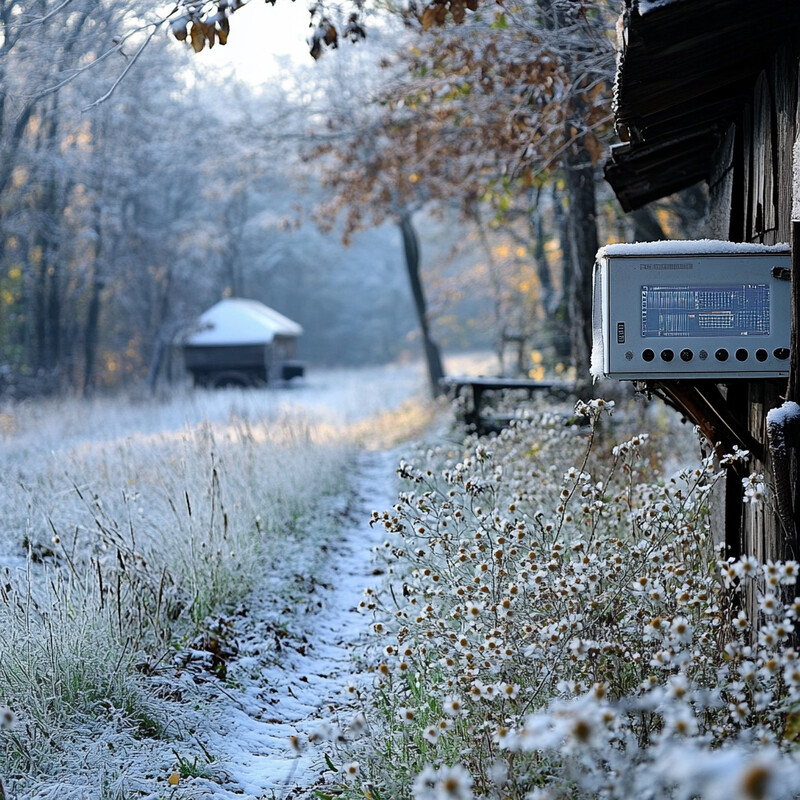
(293, 679)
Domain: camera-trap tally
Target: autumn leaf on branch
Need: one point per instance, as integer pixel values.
(201, 24)
(207, 22)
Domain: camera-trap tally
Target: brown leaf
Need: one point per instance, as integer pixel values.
(198, 37)
(593, 147)
(458, 12)
(178, 28)
(428, 18)
(223, 29)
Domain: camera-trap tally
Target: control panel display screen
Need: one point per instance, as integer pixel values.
(741, 310)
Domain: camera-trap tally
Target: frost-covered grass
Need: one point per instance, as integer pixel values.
(129, 530)
(558, 623)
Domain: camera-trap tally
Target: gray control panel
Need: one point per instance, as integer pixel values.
(691, 310)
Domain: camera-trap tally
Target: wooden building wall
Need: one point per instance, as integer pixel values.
(751, 200)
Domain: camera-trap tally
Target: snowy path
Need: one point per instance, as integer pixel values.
(288, 676)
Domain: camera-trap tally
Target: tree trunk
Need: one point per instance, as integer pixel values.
(433, 358)
(580, 186)
(37, 356)
(536, 226)
(646, 227)
(48, 204)
(91, 335)
(166, 333)
(12, 133)
(563, 314)
(500, 323)
(51, 264)
(582, 216)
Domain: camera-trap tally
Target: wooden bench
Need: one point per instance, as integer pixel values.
(478, 386)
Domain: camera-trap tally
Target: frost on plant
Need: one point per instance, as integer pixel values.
(557, 623)
(138, 551)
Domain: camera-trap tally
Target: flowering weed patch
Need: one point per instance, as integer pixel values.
(557, 623)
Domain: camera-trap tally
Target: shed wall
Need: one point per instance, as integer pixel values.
(751, 194)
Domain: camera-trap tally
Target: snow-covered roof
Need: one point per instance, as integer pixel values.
(235, 320)
(689, 247)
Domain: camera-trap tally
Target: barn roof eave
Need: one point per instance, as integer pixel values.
(685, 70)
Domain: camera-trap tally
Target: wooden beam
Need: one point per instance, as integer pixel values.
(703, 404)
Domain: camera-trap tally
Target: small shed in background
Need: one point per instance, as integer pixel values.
(240, 342)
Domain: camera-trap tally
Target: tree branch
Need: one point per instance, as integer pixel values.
(134, 58)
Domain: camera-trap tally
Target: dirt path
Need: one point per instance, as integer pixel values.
(295, 656)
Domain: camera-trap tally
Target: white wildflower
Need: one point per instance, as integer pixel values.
(445, 783)
(681, 630)
(325, 732)
(680, 720)
(768, 603)
(424, 787)
(405, 715)
(736, 455)
(662, 658)
(655, 629)
(747, 671)
(582, 723)
(473, 609)
(358, 725)
(432, 734)
(788, 573)
(508, 690)
(741, 623)
(678, 687)
(453, 706)
(770, 667)
(350, 771)
(754, 488)
(739, 711)
(747, 566)
(791, 675)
